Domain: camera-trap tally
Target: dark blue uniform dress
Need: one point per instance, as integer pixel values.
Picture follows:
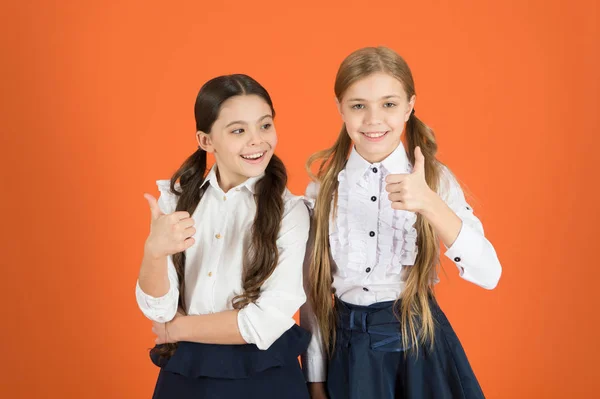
(234, 371)
(369, 359)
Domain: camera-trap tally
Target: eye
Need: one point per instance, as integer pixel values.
(358, 106)
(238, 131)
(267, 126)
(389, 105)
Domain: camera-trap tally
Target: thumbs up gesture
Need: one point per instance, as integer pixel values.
(169, 234)
(410, 192)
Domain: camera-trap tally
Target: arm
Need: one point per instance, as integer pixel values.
(217, 328)
(264, 321)
(442, 218)
(452, 219)
(315, 358)
(157, 289)
(467, 246)
(153, 278)
(157, 292)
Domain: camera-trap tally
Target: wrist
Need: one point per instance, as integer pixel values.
(176, 330)
(431, 204)
(150, 253)
(316, 389)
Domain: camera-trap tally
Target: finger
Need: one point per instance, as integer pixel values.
(189, 232)
(396, 178)
(154, 208)
(181, 215)
(188, 243)
(419, 167)
(394, 187)
(397, 197)
(187, 222)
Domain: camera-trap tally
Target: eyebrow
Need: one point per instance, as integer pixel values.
(245, 123)
(382, 98)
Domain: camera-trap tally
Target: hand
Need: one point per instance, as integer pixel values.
(317, 390)
(169, 234)
(166, 333)
(410, 192)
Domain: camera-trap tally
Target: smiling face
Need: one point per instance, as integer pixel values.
(243, 139)
(375, 110)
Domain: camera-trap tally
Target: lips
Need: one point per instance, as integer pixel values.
(254, 158)
(255, 155)
(375, 135)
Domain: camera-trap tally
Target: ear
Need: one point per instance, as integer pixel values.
(205, 141)
(411, 106)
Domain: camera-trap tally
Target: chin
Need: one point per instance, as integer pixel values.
(253, 170)
(376, 147)
(253, 173)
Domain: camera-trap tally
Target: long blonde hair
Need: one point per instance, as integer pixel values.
(414, 314)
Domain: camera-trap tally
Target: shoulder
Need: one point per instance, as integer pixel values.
(295, 211)
(293, 204)
(311, 193)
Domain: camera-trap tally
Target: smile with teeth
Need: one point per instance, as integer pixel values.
(374, 135)
(253, 156)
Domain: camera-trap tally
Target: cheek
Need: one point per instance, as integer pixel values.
(229, 148)
(273, 140)
(396, 120)
(352, 122)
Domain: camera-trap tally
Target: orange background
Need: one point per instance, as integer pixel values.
(97, 103)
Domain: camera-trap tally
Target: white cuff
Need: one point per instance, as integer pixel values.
(466, 249)
(160, 309)
(314, 369)
(260, 327)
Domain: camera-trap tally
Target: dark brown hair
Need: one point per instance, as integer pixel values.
(262, 255)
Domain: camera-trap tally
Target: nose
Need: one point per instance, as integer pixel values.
(372, 116)
(255, 137)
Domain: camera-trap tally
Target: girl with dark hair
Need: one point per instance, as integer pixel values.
(221, 276)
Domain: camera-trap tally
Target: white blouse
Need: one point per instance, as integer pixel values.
(214, 263)
(372, 244)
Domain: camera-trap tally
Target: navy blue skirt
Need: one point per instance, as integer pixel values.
(369, 359)
(234, 371)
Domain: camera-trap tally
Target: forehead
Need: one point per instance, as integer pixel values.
(247, 108)
(374, 87)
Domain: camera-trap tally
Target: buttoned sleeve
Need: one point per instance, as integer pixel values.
(472, 252)
(162, 309)
(314, 359)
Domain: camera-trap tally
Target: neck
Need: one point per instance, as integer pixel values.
(376, 157)
(227, 182)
